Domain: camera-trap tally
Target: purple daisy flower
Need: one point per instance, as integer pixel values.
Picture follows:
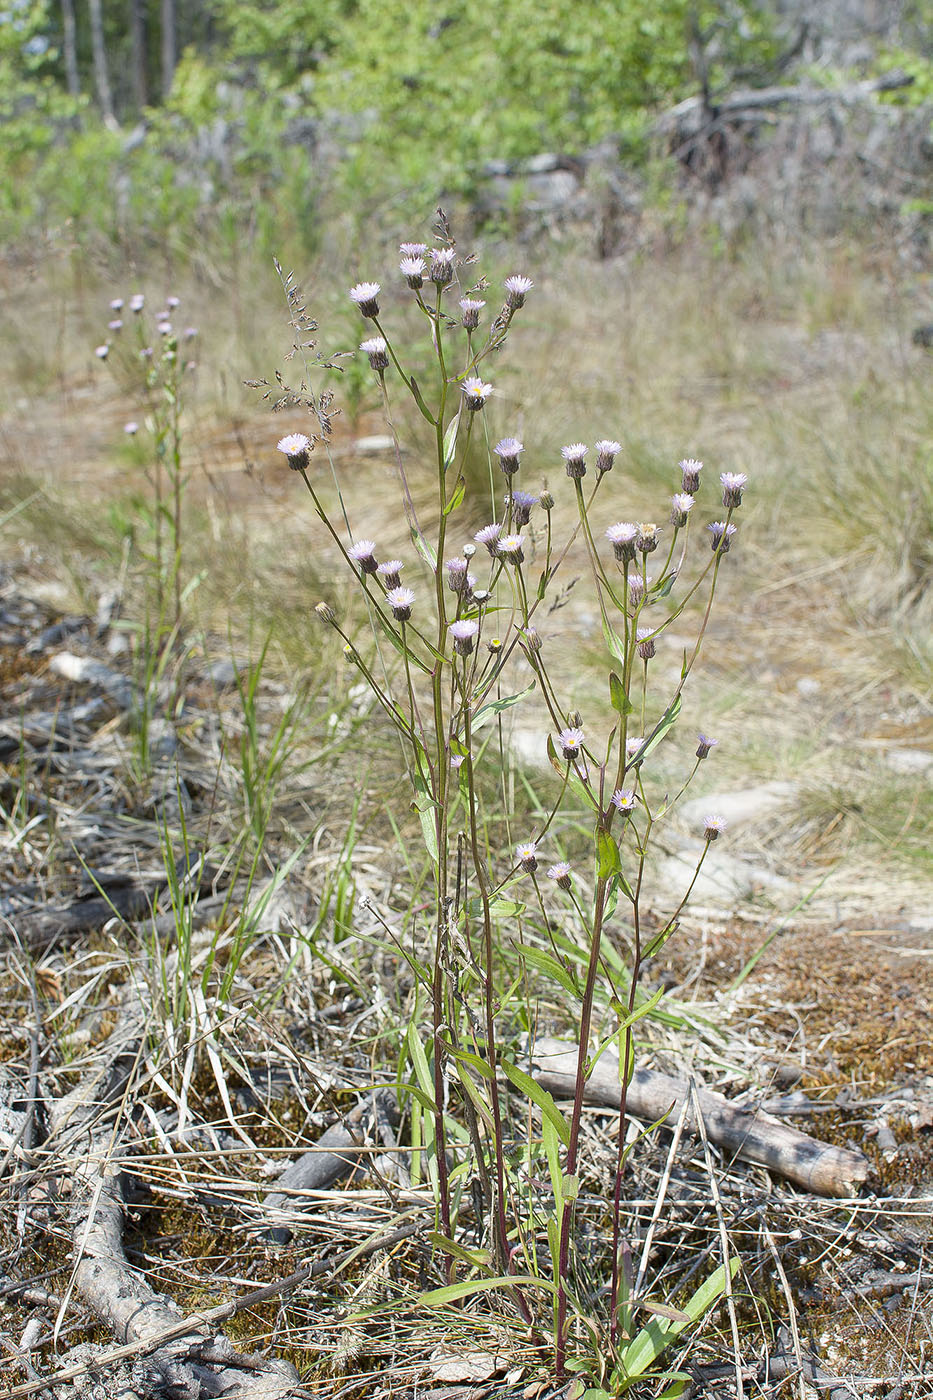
(622, 537)
(508, 450)
(297, 448)
(489, 536)
(470, 309)
(464, 633)
(720, 536)
(517, 288)
(526, 855)
(475, 393)
(704, 744)
(571, 743)
(574, 455)
(510, 548)
(713, 827)
(366, 295)
(521, 503)
(400, 600)
(733, 484)
(560, 873)
(606, 453)
(376, 350)
(690, 470)
(681, 506)
(413, 269)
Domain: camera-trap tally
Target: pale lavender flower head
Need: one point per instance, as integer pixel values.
(442, 265)
(412, 250)
(456, 761)
(720, 536)
(649, 537)
(165, 328)
(400, 600)
(391, 572)
(510, 548)
(131, 429)
(637, 586)
(526, 855)
(632, 746)
(733, 484)
(623, 799)
(713, 827)
(489, 536)
(172, 302)
(297, 449)
(190, 332)
(116, 304)
(457, 576)
(413, 269)
(508, 450)
(622, 537)
(645, 639)
(560, 873)
(146, 352)
(704, 745)
(366, 296)
(571, 743)
(364, 554)
(376, 350)
(137, 302)
(681, 506)
(464, 633)
(690, 470)
(102, 352)
(475, 393)
(606, 453)
(116, 325)
(470, 309)
(521, 503)
(574, 455)
(517, 288)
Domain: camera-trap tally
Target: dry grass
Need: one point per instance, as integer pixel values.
(794, 365)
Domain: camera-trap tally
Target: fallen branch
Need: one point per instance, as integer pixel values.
(744, 1133)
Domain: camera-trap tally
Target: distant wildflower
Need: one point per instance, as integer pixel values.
(560, 874)
(574, 456)
(116, 325)
(531, 639)
(102, 352)
(623, 799)
(713, 827)
(704, 745)
(390, 572)
(526, 855)
(456, 761)
(413, 268)
(681, 506)
(733, 484)
(442, 265)
(172, 302)
(137, 302)
(571, 742)
(165, 328)
(510, 548)
(690, 470)
(475, 393)
(645, 639)
(632, 746)
(325, 612)
(622, 537)
(376, 350)
(131, 429)
(489, 536)
(464, 634)
(470, 309)
(364, 554)
(649, 537)
(508, 450)
(607, 452)
(297, 449)
(521, 503)
(366, 294)
(721, 536)
(412, 250)
(517, 288)
(190, 332)
(546, 501)
(116, 304)
(494, 645)
(146, 352)
(400, 600)
(457, 575)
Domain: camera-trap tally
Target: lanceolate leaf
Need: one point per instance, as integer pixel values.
(496, 707)
(532, 1090)
(457, 497)
(450, 440)
(620, 701)
(416, 394)
(609, 862)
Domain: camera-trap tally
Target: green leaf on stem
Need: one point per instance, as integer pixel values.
(551, 967)
(435, 1297)
(423, 547)
(496, 707)
(656, 1336)
(457, 497)
(533, 1091)
(615, 644)
(620, 701)
(665, 723)
(609, 862)
(422, 406)
(450, 440)
(426, 806)
(498, 908)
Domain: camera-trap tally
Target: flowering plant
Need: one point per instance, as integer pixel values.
(467, 626)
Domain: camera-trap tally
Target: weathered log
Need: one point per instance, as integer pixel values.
(745, 1133)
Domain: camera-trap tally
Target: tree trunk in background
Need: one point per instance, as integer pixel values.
(169, 56)
(101, 76)
(70, 45)
(138, 39)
